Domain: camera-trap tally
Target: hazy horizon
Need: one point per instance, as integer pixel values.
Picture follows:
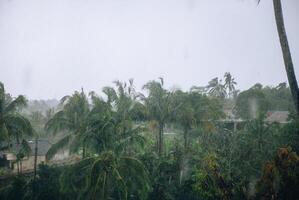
(48, 49)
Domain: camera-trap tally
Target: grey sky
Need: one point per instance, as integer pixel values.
(50, 48)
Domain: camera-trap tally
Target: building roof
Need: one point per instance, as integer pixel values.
(277, 116)
(42, 147)
(271, 116)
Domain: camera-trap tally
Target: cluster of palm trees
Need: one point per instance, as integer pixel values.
(110, 131)
(13, 126)
(223, 90)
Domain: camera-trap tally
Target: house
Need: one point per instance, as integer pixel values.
(234, 123)
(28, 162)
(281, 117)
(8, 157)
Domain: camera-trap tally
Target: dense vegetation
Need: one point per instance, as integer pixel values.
(159, 144)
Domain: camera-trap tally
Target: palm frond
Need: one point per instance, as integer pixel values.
(76, 143)
(74, 176)
(110, 93)
(58, 146)
(25, 148)
(18, 123)
(19, 102)
(64, 99)
(2, 94)
(57, 123)
(3, 133)
(135, 175)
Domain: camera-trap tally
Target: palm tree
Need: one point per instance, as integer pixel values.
(185, 115)
(24, 150)
(287, 57)
(72, 120)
(216, 88)
(111, 124)
(108, 177)
(122, 102)
(159, 108)
(125, 110)
(13, 125)
(229, 83)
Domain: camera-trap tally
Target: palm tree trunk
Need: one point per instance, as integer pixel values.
(286, 53)
(84, 151)
(185, 139)
(160, 140)
(35, 156)
(21, 166)
(18, 167)
(18, 149)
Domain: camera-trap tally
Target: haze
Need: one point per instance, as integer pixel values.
(50, 48)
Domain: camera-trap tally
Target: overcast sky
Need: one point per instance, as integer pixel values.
(49, 48)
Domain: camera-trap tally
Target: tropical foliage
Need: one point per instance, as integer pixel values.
(163, 144)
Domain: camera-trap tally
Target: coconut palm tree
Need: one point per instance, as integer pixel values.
(287, 57)
(14, 126)
(229, 84)
(185, 115)
(159, 107)
(72, 120)
(111, 124)
(107, 176)
(216, 88)
(122, 101)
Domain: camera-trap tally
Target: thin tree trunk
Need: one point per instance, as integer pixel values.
(18, 149)
(35, 156)
(18, 167)
(185, 139)
(160, 141)
(157, 141)
(83, 153)
(21, 166)
(286, 53)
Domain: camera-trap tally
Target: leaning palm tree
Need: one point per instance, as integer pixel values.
(287, 57)
(14, 126)
(216, 88)
(72, 120)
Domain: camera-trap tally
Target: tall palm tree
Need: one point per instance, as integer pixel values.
(158, 104)
(14, 126)
(111, 124)
(185, 115)
(122, 101)
(72, 120)
(125, 111)
(287, 57)
(229, 84)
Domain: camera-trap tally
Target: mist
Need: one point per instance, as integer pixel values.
(51, 48)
